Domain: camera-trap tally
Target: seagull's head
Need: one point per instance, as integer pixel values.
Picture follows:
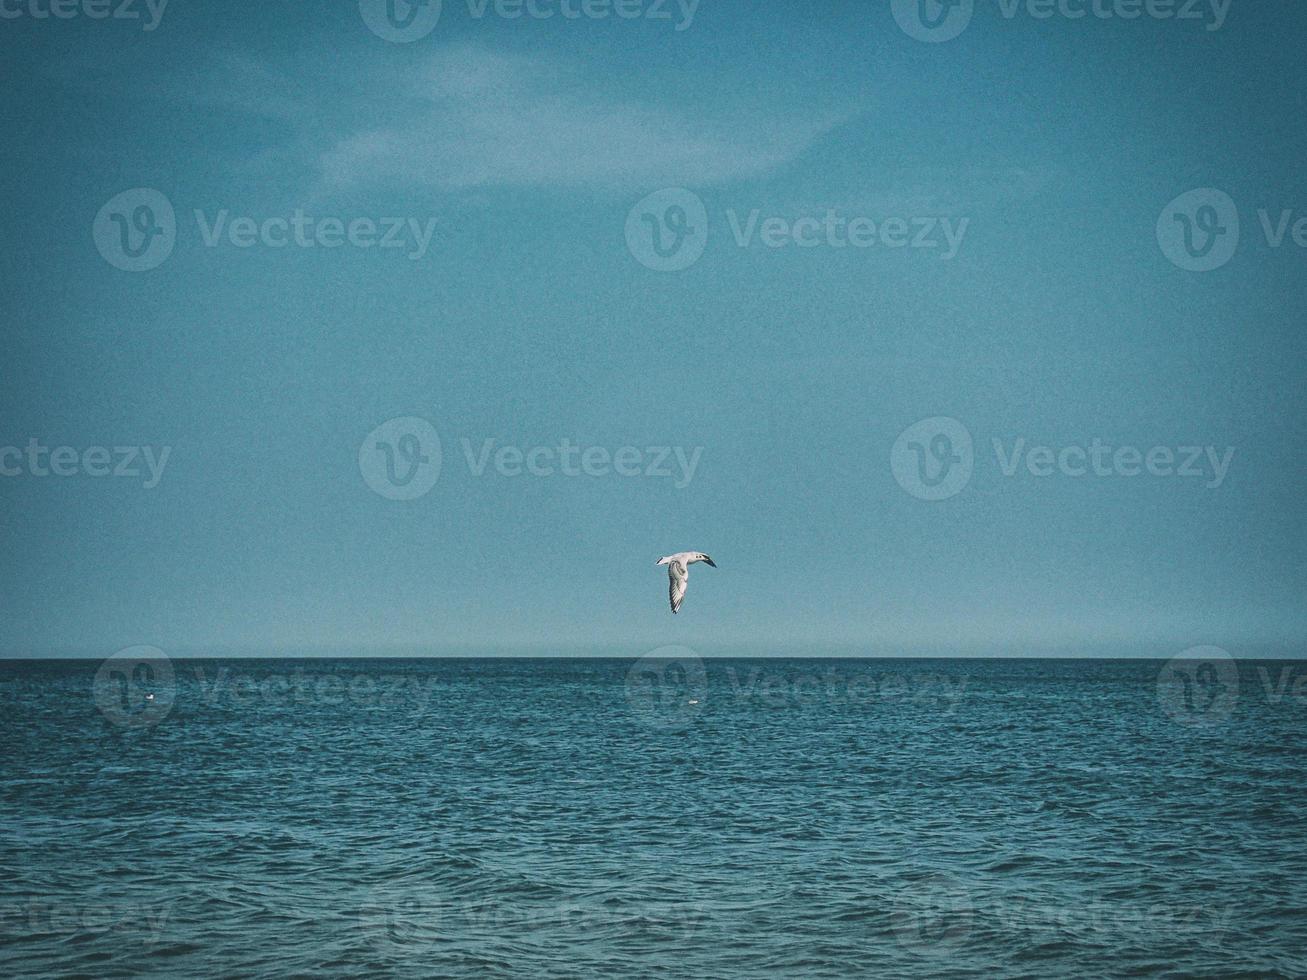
(706, 560)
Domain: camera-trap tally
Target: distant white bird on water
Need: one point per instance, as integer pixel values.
(678, 574)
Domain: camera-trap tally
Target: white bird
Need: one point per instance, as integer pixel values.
(678, 574)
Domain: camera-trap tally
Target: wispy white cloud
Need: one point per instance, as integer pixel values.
(467, 118)
(474, 118)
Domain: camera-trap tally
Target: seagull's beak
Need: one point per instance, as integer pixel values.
(709, 561)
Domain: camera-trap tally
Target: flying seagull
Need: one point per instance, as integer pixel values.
(678, 574)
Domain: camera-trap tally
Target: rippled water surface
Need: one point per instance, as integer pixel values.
(594, 817)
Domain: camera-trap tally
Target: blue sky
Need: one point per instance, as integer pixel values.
(527, 319)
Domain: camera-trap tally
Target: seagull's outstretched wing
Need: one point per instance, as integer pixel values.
(678, 577)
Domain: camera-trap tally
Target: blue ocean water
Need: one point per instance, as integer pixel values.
(662, 817)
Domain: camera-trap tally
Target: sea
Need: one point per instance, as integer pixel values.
(661, 816)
